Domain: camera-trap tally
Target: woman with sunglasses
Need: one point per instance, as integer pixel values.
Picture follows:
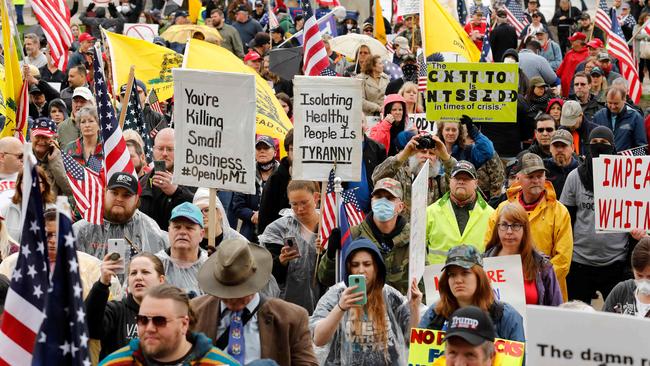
(512, 236)
(113, 323)
(464, 282)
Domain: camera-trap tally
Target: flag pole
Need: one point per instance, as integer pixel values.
(338, 188)
(212, 218)
(127, 95)
(319, 249)
(647, 23)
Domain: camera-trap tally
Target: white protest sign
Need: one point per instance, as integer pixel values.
(417, 246)
(141, 31)
(327, 128)
(562, 337)
(214, 130)
(99, 3)
(505, 274)
(419, 121)
(406, 7)
(621, 193)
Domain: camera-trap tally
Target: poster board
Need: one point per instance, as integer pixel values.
(419, 121)
(406, 7)
(327, 128)
(141, 31)
(418, 249)
(214, 130)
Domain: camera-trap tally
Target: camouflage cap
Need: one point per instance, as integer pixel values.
(463, 255)
(531, 163)
(389, 185)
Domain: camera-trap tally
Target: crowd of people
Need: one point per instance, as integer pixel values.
(267, 292)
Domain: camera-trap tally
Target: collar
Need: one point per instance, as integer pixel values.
(250, 306)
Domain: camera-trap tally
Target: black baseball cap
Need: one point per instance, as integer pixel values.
(123, 180)
(464, 166)
(471, 324)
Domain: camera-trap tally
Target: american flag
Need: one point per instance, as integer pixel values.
(461, 9)
(346, 235)
(617, 47)
(422, 72)
(515, 15)
(328, 217)
(315, 58)
(328, 72)
(23, 312)
(329, 2)
(63, 338)
(635, 151)
(273, 20)
(134, 120)
(486, 52)
(116, 155)
(54, 18)
(22, 114)
(354, 214)
(153, 101)
(87, 189)
(603, 20)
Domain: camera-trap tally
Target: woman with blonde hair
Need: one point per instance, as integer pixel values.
(409, 91)
(511, 236)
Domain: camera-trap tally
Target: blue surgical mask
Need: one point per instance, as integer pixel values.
(383, 209)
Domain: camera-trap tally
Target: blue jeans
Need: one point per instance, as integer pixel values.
(19, 14)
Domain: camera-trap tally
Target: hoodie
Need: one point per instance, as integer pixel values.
(385, 132)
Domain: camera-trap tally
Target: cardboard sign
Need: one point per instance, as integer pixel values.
(141, 31)
(406, 7)
(427, 346)
(621, 193)
(505, 274)
(487, 92)
(419, 121)
(418, 250)
(215, 130)
(99, 3)
(571, 337)
(327, 128)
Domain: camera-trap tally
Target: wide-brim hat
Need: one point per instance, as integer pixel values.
(236, 269)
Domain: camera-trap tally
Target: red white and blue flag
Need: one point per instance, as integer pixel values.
(54, 18)
(328, 217)
(87, 188)
(315, 58)
(515, 15)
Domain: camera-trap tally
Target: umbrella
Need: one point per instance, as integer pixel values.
(285, 62)
(350, 43)
(181, 33)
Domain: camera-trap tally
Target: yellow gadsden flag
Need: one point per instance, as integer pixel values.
(443, 33)
(153, 63)
(271, 119)
(379, 26)
(13, 80)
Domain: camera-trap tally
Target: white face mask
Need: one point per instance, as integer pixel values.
(643, 286)
(509, 60)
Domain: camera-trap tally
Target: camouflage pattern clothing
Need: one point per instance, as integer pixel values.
(491, 177)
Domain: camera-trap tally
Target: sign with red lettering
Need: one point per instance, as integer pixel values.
(505, 274)
(621, 193)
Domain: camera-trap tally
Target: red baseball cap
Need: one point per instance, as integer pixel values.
(595, 43)
(252, 56)
(86, 37)
(577, 35)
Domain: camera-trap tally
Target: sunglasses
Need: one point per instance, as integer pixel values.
(545, 129)
(18, 156)
(579, 84)
(158, 321)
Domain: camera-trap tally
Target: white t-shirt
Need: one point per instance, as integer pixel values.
(7, 188)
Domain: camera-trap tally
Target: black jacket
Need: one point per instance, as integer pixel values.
(244, 205)
(622, 300)
(274, 195)
(112, 322)
(50, 94)
(157, 205)
(374, 154)
(502, 37)
(557, 174)
(590, 108)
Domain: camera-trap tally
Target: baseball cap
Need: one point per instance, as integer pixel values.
(536, 14)
(123, 180)
(463, 255)
(137, 82)
(464, 166)
(562, 136)
(531, 162)
(512, 168)
(242, 8)
(595, 43)
(367, 25)
(34, 89)
(537, 81)
(577, 35)
(188, 211)
(82, 91)
(571, 110)
(501, 13)
(261, 38)
(252, 56)
(43, 126)
(541, 30)
(389, 185)
(181, 13)
(259, 3)
(262, 139)
(602, 56)
(625, 5)
(597, 71)
(585, 15)
(471, 324)
(86, 37)
(402, 42)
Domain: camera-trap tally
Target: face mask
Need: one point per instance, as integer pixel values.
(509, 60)
(267, 166)
(349, 26)
(600, 149)
(410, 71)
(383, 209)
(643, 286)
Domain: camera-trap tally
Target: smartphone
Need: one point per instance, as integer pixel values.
(291, 243)
(159, 166)
(360, 281)
(117, 247)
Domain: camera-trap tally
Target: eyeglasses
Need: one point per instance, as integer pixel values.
(158, 321)
(579, 84)
(514, 227)
(18, 156)
(545, 129)
(163, 148)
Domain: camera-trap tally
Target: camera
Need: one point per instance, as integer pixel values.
(426, 142)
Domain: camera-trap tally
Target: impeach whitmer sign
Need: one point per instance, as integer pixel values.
(622, 193)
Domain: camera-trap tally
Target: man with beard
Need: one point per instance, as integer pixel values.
(459, 217)
(550, 224)
(165, 321)
(406, 165)
(159, 194)
(562, 161)
(122, 220)
(246, 207)
(599, 260)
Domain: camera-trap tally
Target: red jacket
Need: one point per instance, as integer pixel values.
(469, 27)
(568, 68)
(381, 131)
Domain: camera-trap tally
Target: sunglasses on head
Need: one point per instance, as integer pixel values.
(545, 129)
(158, 321)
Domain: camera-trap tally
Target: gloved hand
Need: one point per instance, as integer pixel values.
(112, 10)
(472, 130)
(333, 243)
(90, 7)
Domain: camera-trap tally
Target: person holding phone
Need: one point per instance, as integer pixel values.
(48, 155)
(363, 320)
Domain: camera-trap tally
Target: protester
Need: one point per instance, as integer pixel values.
(641, 39)
(11, 162)
(625, 122)
(69, 128)
(455, 134)
(222, 230)
(230, 38)
(534, 27)
(274, 194)
(394, 118)
(245, 25)
(374, 83)
(537, 97)
(464, 283)
(94, 24)
(604, 61)
(544, 128)
(153, 120)
(233, 278)
(562, 160)
(554, 109)
(8, 246)
(503, 36)
(373, 333)
(476, 28)
(136, 153)
(582, 93)
(531, 64)
(78, 57)
(550, 49)
(460, 216)
(48, 155)
(632, 297)
(165, 333)
(511, 236)
(363, 54)
(580, 128)
(76, 79)
(572, 58)
(549, 219)
(565, 19)
(586, 26)
(470, 345)
(57, 111)
(254, 61)
(599, 85)
(409, 91)
(88, 149)
(33, 54)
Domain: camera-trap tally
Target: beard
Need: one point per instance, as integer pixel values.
(414, 166)
(119, 214)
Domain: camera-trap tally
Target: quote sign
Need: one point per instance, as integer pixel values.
(419, 122)
(214, 116)
(487, 92)
(505, 274)
(566, 337)
(622, 193)
(407, 7)
(327, 128)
